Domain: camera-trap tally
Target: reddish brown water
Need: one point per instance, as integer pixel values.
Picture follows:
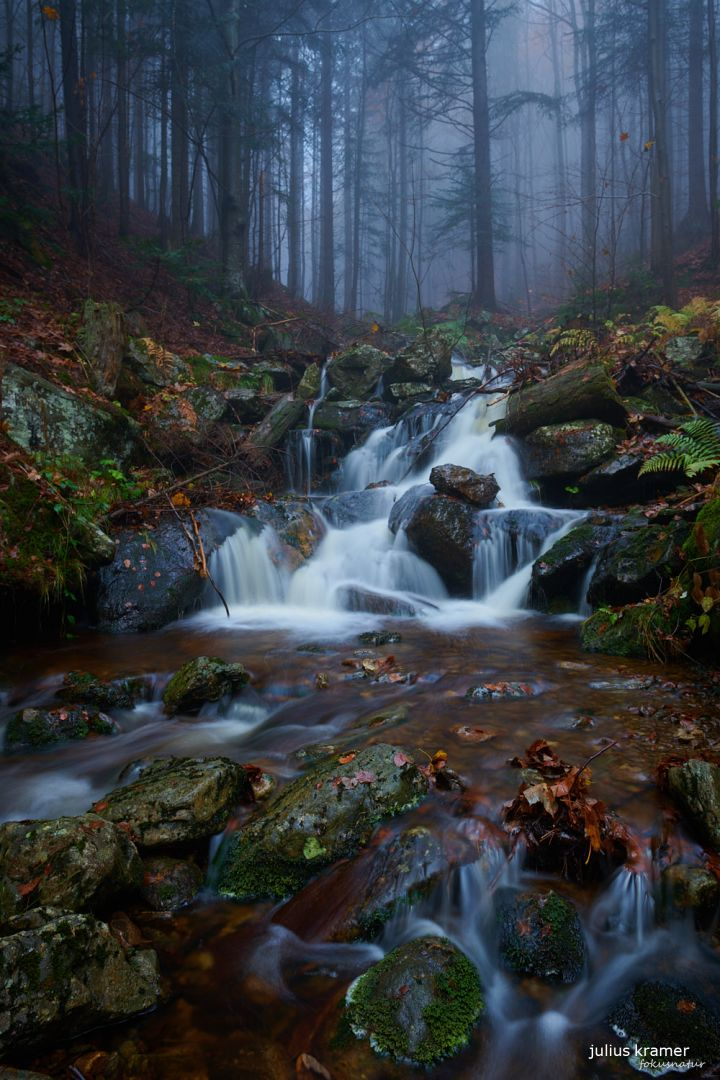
(245, 1000)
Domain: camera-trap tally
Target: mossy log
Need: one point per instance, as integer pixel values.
(271, 431)
(578, 392)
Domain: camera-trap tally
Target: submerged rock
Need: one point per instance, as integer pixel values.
(67, 975)
(327, 814)
(503, 691)
(87, 688)
(169, 884)
(353, 598)
(206, 678)
(73, 863)
(664, 1014)
(691, 887)
(481, 491)
(380, 637)
(35, 729)
(419, 1004)
(696, 787)
(176, 800)
(541, 936)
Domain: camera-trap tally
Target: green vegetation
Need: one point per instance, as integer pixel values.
(694, 449)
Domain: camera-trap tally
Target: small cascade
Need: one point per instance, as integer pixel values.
(300, 463)
(244, 568)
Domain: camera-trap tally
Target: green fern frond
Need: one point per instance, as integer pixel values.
(574, 340)
(694, 449)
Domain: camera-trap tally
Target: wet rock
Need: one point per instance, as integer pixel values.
(351, 507)
(691, 887)
(442, 531)
(36, 729)
(209, 405)
(299, 529)
(67, 976)
(206, 678)
(170, 884)
(42, 417)
(103, 339)
(635, 630)
(558, 575)
(274, 427)
(665, 1014)
(405, 391)
(567, 449)
(245, 406)
(541, 936)
(152, 579)
(427, 360)
(356, 371)
(309, 386)
(73, 863)
(419, 1004)
(327, 814)
(696, 787)
(155, 366)
(580, 391)
(481, 491)
(176, 800)
(21, 1074)
(351, 416)
(503, 691)
(90, 690)
(638, 563)
(353, 598)
(380, 637)
(689, 353)
(615, 482)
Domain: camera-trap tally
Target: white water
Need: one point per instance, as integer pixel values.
(366, 557)
(301, 445)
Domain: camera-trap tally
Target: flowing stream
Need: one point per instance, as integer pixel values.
(252, 987)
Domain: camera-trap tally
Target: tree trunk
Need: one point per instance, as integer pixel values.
(661, 218)
(74, 100)
(694, 227)
(123, 133)
(713, 135)
(357, 186)
(484, 257)
(179, 155)
(233, 221)
(30, 51)
(326, 270)
(295, 185)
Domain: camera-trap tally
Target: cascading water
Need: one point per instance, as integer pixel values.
(361, 565)
(301, 445)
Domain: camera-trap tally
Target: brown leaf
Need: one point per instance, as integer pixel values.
(30, 886)
(306, 1064)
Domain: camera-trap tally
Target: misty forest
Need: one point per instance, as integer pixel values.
(359, 539)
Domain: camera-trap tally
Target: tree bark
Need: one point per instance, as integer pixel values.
(661, 218)
(75, 134)
(484, 255)
(713, 135)
(326, 270)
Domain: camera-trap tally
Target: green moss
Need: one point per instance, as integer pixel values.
(709, 520)
(452, 1014)
(664, 1014)
(642, 630)
(541, 936)
(251, 875)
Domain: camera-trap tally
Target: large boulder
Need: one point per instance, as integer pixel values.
(103, 339)
(327, 814)
(346, 417)
(637, 563)
(35, 729)
(245, 406)
(298, 529)
(206, 678)
(581, 391)
(559, 574)
(155, 366)
(41, 417)
(356, 371)
(656, 1014)
(465, 484)
(427, 360)
(152, 579)
(695, 786)
(177, 800)
(352, 507)
(419, 1004)
(567, 449)
(442, 531)
(72, 863)
(541, 936)
(68, 974)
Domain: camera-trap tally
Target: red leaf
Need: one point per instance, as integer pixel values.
(25, 890)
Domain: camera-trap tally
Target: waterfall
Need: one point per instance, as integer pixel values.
(300, 462)
(361, 568)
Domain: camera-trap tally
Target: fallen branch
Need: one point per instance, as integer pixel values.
(198, 549)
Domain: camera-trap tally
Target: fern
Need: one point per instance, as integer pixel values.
(575, 341)
(694, 449)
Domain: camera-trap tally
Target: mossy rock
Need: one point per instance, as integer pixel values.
(567, 449)
(67, 975)
(155, 365)
(207, 678)
(691, 887)
(638, 563)
(170, 884)
(702, 547)
(74, 863)
(428, 359)
(419, 1004)
(558, 574)
(641, 630)
(325, 815)
(695, 786)
(177, 800)
(356, 371)
(541, 936)
(36, 729)
(90, 690)
(659, 1014)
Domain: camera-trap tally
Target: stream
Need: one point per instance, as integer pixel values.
(253, 986)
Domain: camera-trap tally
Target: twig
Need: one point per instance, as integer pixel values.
(199, 559)
(592, 758)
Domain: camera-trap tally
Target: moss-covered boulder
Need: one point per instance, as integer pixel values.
(155, 366)
(73, 863)
(582, 390)
(170, 884)
(36, 729)
(356, 371)
(695, 786)
(309, 386)
(465, 484)
(428, 359)
(177, 800)
(206, 678)
(419, 1004)
(327, 814)
(702, 546)
(90, 690)
(559, 574)
(643, 630)
(691, 887)
(442, 531)
(567, 449)
(638, 563)
(541, 936)
(245, 406)
(659, 1014)
(351, 416)
(67, 975)
(285, 414)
